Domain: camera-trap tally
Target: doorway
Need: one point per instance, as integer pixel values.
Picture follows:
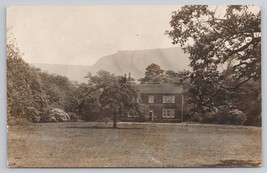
(151, 115)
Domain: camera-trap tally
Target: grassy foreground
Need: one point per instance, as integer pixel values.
(94, 144)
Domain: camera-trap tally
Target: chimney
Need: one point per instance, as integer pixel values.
(129, 77)
(125, 79)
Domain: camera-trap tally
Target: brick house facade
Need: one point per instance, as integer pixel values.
(165, 101)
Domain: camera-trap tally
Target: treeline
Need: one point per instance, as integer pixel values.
(41, 97)
(37, 96)
(154, 74)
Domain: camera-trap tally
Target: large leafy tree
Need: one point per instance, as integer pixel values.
(31, 92)
(216, 41)
(113, 94)
(24, 87)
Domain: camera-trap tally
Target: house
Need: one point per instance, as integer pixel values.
(165, 101)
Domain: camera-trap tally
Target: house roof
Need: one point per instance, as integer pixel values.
(159, 88)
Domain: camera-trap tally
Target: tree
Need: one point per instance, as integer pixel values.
(60, 91)
(213, 42)
(153, 74)
(31, 92)
(114, 94)
(88, 102)
(172, 77)
(25, 97)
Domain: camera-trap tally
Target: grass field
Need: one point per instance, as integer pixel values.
(87, 144)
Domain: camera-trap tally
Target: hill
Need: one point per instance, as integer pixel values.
(124, 62)
(73, 72)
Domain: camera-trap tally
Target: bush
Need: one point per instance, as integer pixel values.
(225, 115)
(45, 116)
(221, 115)
(52, 120)
(17, 121)
(234, 117)
(33, 114)
(60, 115)
(54, 115)
(73, 116)
(194, 117)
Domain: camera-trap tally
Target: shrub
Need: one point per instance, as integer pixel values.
(194, 117)
(54, 115)
(234, 117)
(45, 116)
(33, 114)
(17, 121)
(52, 120)
(222, 115)
(60, 115)
(225, 115)
(73, 116)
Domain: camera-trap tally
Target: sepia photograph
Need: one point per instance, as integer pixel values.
(134, 86)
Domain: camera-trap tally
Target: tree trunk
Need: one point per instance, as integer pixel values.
(114, 119)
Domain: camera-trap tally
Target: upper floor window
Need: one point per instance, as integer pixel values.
(168, 99)
(150, 99)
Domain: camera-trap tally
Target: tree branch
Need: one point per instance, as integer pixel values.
(238, 85)
(243, 47)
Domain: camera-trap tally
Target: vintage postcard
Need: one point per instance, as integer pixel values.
(134, 86)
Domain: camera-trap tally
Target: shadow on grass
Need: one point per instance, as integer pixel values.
(97, 127)
(235, 163)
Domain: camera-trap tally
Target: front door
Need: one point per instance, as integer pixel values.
(151, 115)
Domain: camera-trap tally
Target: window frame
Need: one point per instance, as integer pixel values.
(168, 99)
(171, 113)
(151, 99)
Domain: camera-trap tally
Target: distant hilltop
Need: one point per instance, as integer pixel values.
(124, 62)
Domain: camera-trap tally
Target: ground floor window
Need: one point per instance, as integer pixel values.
(168, 113)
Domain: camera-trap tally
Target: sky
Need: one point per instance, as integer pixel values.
(82, 34)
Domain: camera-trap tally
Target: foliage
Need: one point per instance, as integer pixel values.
(141, 116)
(73, 116)
(23, 85)
(155, 75)
(55, 115)
(226, 115)
(108, 95)
(221, 115)
(60, 91)
(31, 93)
(248, 99)
(214, 42)
(88, 102)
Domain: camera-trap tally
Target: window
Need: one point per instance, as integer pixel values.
(168, 113)
(168, 99)
(150, 99)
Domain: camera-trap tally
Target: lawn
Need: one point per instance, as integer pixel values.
(87, 144)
